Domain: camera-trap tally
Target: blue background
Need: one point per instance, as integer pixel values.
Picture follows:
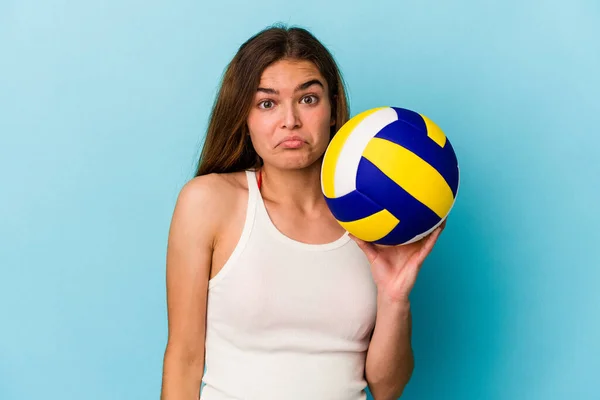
(103, 105)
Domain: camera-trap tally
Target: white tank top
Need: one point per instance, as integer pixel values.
(288, 320)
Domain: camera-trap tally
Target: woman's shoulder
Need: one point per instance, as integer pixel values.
(214, 194)
(217, 185)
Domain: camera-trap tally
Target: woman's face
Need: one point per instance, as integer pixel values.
(290, 118)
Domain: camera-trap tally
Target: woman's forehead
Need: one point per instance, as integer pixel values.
(288, 74)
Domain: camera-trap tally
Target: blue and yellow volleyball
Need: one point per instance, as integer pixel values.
(390, 176)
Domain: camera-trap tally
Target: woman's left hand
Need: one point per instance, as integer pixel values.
(395, 268)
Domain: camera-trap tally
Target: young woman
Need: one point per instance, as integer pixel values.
(268, 297)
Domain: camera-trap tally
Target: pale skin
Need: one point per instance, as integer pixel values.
(292, 101)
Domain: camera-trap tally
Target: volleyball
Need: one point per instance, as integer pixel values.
(390, 176)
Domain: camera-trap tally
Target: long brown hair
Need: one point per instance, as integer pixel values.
(227, 147)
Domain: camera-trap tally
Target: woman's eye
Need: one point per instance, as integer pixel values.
(265, 104)
(309, 99)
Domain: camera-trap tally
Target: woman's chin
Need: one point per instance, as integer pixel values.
(294, 161)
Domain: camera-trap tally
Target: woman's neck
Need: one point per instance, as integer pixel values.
(300, 188)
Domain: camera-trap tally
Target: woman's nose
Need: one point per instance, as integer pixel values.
(290, 118)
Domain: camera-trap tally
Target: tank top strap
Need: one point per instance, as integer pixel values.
(255, 201)
(253, 191)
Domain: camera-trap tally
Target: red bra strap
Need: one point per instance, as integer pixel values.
(259, 179)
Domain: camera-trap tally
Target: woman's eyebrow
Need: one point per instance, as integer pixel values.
(308, 84)
(300, 87)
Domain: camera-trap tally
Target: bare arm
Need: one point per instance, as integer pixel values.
(189, 254)
(390, 361)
